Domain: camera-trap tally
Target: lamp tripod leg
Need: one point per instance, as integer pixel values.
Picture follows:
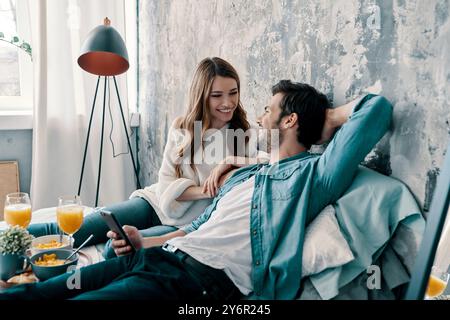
(138, 184)
(87, 138)
(101, 144)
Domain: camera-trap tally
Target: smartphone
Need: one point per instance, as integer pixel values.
(115, 226)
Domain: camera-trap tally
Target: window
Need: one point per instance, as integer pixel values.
(16, 74)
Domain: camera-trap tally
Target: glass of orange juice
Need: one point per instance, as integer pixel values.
(69, 214)
(437, 283)
(17, 210)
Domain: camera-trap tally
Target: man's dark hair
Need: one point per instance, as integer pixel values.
(309, 105)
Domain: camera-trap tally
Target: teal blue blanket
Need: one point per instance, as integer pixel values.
(369, 213)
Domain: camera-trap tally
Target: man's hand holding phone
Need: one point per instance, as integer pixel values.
(120, 246)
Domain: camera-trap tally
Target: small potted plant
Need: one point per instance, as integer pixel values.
(14, 242)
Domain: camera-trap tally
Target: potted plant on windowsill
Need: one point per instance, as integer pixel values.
(14, 242)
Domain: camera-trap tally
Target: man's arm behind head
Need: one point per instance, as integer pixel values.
(364, 124)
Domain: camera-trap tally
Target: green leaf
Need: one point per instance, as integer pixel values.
(15, 39)
(25, 46)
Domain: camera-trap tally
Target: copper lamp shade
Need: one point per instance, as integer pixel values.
(104, 52)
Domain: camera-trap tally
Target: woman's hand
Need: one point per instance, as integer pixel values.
(120, 246)
(225, 177)
(212, 183)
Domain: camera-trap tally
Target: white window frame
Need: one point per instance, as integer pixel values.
(22, 104)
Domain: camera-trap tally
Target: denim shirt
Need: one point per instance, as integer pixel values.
(290, 193)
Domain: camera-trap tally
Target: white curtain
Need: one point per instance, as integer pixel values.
(63, 97)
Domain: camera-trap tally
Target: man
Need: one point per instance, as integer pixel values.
(249, 241)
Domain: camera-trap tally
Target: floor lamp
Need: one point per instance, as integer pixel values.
(104, 54)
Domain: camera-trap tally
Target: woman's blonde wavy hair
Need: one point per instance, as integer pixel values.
(198, 104)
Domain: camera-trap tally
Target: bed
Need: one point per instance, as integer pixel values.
(384, 227)
(375, 223)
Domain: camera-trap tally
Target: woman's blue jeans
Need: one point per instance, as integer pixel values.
(135, 212)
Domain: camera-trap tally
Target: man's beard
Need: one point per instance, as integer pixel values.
(270, 139)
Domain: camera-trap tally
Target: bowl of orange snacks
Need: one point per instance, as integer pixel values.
(50, 242)
(51, 263)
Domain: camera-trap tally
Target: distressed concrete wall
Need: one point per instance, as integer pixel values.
(400, 49)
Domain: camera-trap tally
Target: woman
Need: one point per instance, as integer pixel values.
(187, 180)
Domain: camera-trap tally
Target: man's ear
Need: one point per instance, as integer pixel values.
(291, 120)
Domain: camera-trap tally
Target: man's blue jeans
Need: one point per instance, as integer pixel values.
(146, 274)
(135, 212)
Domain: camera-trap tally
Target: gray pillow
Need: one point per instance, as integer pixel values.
(324, 245)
